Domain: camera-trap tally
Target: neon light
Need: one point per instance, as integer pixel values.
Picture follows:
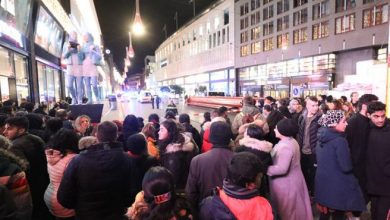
(11, 32)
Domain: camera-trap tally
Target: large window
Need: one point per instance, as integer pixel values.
(266, 1)
(268, 28)
(268, 12)
(282, 6)
(244, 50)
(16, 13)
(268, 44)
(298, 3)
(244, 23)
(255, 4)
(282, 23)
(345, 23)
(256, 47)
(48, 82)
(300, 35)
(320, 30)
(321, 10)
(282, 41)
(255, 18)
(375, 16)
(244, 9)
(344, 5)
(244, 37)
(255, 33)
(21, 76)
(300, 17)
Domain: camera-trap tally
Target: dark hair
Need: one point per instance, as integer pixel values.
(313, 98)
(222, 110)
(207, 116)
(243, 169)
(54, 124)
(64, 140)
(268, 108)
(107, 131)
(184, 118)
(140, 123)
(174, 135)
(375, 107)
(270, 98)
(3, 118)
(255, 131)
(366, 99)
(130, 126)
(338, 105)
(61, 114)
(154, 118)
(248, 100)
(170, 115)
(29, 106)
(19, 122)
(344, 98)
(329, 98)
(159, 181)
(284, 101)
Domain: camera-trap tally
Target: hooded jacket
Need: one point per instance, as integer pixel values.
(177, 158)
(336, 186)
(262, 149)
(74, 58)
(97, 183)
(92, 57)
(56, 165)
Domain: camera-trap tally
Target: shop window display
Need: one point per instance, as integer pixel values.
(22, 89)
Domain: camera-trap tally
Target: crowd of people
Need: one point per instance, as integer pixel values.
(277, 159)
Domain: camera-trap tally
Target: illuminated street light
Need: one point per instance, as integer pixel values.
(137, 28)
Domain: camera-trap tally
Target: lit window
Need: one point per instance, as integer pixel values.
(282, 6)
(256, 47)
(344, 5)
(282, 23)
(300, 17)
(268, 44)
(300, 36)
(244, 50)
(268, 28)
(321, 9)
(375, 16)
(320, 30)
(282, 41)
(345, 23)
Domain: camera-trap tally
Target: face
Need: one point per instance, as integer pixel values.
(294, 105)
(12, 132)
(85, 38)
(84, 123)
(312, 107)
(340, 127)
(346, 108)
(378, 118)
(355, 97)
(73, 35)
(162, 133)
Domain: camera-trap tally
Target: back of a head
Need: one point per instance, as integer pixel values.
(130, 124)
(255, 132)
(220, 133)
(29, 106)
(154, 118)
(107, 132)
(54, 124)
(170, 115)
(19, 122)
(62, 114)
(244, 168)
(136, 144)
(366, 99)
(222, 110)
(3, 118)
(207, 116)
(35, 121)
(65, 140)
(184, 118)
(248, 100)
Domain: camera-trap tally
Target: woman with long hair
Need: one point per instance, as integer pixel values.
(149, 131)
(158, 200)
(176, 151)
(62, 148)
(130, 127)
(82, 126)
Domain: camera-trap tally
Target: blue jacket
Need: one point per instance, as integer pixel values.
(69, 52)
(94, 54)
(336, 186)
(97, 183)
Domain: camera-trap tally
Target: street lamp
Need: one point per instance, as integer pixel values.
(137, 27)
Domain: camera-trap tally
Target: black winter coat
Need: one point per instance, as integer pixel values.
(97, 183)
(378, 163)
(314, 126)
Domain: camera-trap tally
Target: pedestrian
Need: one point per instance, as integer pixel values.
(208, 170)
(62, 148)
(354, 100)
(357, 133)
(82, 126)
(307, 140)
(158, 101)
(97, 182)
(185, 121)
(287, 185)
(249, 110)
(239, 197)
(152, 101)
(130, 127)
(206, 143)
(136, 148)
(176, 151)
(155, 120)
(159, 198)
(30, 148)
(378, 164)
(149, 132)
(337, 191)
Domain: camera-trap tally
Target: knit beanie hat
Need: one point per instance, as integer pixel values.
(136, 144)
(220, 133)
(331, 118)
(287, 127)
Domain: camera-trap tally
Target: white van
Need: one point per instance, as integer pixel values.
(144, 96)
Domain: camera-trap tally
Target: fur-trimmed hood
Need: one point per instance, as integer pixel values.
(187, 146)
(255, 144)
(23, 164)
(207, 125)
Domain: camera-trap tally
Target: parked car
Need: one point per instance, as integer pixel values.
(144, 96)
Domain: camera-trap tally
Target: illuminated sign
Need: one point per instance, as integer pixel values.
(11, 32)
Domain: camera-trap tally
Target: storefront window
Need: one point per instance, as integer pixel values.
(48, 33)
(49, 89)
(21, 77)
(4, 85)
(5, 63)
(220, 75)
(16, 13)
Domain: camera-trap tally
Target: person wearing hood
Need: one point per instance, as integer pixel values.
(61, 150)
(74, 61)
(92, 59)
(176, 151)
(184, 120)
(130, 127)
(208, 170)
(35, 127)
(287, 184)
(337, 190)
(97, 182)
(248, 110)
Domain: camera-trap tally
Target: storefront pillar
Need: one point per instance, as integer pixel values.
(238, 89)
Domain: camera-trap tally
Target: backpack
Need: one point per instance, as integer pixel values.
(247, 118)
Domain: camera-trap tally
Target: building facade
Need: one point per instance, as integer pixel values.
(306, 47)
(201, 53)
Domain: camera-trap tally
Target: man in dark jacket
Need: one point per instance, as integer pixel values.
(208, 170)
(378, 161)
(239, 197)
(97, 183)
(30, 148)
(307, 140)
(184, 120)
(357, 134)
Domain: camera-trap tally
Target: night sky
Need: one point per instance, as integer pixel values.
(115, 17)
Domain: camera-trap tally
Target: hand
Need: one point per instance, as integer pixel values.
(92, 47)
